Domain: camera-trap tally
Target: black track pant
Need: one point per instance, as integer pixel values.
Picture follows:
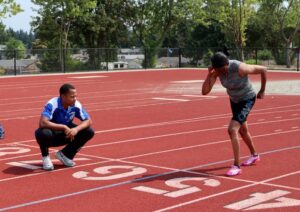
(51, 138)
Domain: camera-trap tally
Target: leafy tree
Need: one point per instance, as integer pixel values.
(155, 18)
(3, 34)
(59, 16)
(208, 38)
(9, 7)
(25, 37)
(107, 27)
(196, 39)
(288, 19)
(15, 48)
(260, 33)
(234, 15)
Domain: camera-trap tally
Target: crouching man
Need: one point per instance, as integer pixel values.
(56, 127)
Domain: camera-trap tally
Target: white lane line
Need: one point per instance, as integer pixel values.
(6, 115)
(87, 96)
(87, 77)
(280, 107)
(278, 130)
(193, 95)
(153, 153)
(53, 171)
(164, 124)
(54, 84)
(222, 193)
(181, 133)
(263, 182)
(94, 100)
(170, 99)
(188, 81)
(201, 145)
(106, 108)
(256, 112)
(199, 96)
(120, 92)
(142, 179)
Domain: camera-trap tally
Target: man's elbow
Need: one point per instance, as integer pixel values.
(42, 125)
(263, 70)
(43, 122)
(87, 122)
(264, 73)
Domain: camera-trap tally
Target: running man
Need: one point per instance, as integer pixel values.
(56, 127)
(233, 75)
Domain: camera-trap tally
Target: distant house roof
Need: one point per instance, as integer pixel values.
(2, 47)
(170, 61)
(19, 63)
(130, 51)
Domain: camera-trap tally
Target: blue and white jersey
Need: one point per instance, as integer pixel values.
(56, 113)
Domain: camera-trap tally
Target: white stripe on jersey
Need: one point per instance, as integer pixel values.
(54, 103)
(78, 105)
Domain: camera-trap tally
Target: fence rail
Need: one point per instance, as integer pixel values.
(14, 62)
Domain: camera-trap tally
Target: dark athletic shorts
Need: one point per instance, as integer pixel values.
(241, 110)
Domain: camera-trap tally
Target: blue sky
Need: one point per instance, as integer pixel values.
(21, 20)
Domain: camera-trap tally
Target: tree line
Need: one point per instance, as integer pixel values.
(191, 25)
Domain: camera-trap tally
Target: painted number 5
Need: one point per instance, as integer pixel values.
(13, 150)
(177, 183)
(107, 174)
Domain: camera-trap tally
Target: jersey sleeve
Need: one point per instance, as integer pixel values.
(81, 113)
(48, 111)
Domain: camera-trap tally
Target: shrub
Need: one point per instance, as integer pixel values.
(252, 61)
(264, 55)
(2, 71)
(206, 58)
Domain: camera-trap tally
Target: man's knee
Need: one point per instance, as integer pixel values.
(89, 133)
(43, 134)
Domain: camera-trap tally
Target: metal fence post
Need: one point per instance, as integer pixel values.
(179, 57)
(256, 57)
(15, 62)
(145, 60)
(64, 60)
(298, 58)
(106, 58)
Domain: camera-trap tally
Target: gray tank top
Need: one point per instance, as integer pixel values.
(238, 88)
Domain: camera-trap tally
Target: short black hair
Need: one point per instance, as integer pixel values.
(65, 88)
(219, 59)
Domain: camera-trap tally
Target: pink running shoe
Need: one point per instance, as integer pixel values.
(234, 170)
(251, 160)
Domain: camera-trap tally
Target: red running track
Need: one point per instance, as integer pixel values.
(159, 145)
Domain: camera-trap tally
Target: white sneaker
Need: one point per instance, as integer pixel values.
(47, 163)
(66, 161)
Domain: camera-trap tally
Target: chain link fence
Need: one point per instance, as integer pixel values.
(38, 61)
